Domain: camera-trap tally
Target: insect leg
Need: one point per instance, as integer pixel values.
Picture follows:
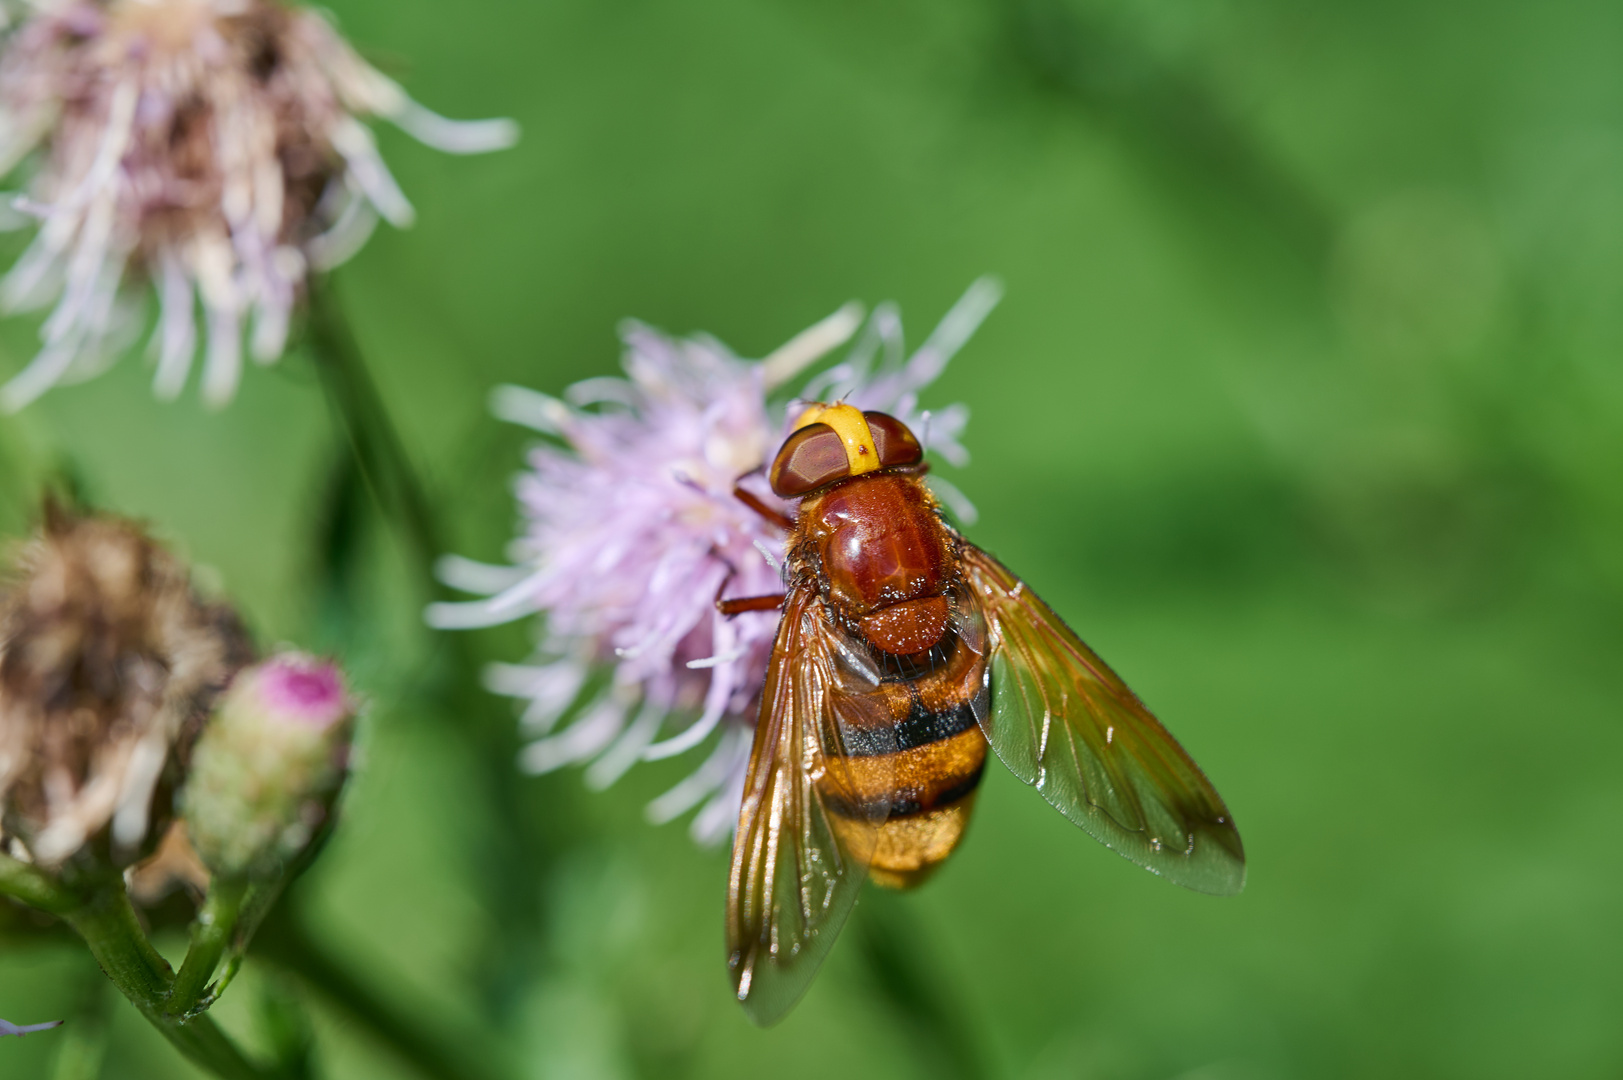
(754, 503)
(749, 603)
(744, 603)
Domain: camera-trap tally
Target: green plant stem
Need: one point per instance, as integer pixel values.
(20, 881)
(284, 1022)
(892, 946)
(84, 1038)
(257, 900)
(378, 450)
(108, 925)
(284, 941)
(514, 860)
(212, 930)
(256, 904)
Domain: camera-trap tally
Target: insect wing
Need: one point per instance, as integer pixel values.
(806, 832)
(1063, 722)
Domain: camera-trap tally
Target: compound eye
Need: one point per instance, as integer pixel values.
(893, 442)
(810, 458)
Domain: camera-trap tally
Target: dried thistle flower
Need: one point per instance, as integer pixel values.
(213, 148)
(633, 529)
(109, 663)
(267, 767)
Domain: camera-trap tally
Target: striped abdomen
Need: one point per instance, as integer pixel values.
(916, 762)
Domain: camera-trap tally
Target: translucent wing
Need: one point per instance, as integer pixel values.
(807, 824)
(1063, 722)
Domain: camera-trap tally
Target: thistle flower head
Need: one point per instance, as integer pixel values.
(267, 767)
(211, 148)
(632, 530)
(108, 665)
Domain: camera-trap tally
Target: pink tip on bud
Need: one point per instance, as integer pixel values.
(299, 689)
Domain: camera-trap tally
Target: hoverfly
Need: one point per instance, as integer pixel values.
(902, 653)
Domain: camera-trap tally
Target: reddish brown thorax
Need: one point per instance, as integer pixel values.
(884, 556)
(870, 525)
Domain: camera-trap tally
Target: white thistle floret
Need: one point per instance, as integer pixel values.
(211, 148)
(632, 531)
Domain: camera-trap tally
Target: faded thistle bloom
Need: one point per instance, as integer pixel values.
(213, 149)
(268, 766)
(109, 665)
(632, 531)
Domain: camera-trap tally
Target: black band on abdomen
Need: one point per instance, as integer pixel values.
(920, 728)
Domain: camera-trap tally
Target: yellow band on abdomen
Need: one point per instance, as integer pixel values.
(853, 430)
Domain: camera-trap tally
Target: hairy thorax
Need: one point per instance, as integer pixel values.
(885, 559)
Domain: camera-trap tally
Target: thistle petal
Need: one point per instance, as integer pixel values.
(632, 529)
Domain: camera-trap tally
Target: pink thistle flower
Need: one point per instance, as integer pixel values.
(633, 531)
(212, 148)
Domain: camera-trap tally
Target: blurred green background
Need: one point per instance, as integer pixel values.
(1305, 407)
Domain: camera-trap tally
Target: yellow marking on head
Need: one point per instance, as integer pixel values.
(853, 430)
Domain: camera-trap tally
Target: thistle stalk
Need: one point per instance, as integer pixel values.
(83, 1046)
(212, 931)
(374, 442)
(108, 924)
(435, 1053)
(514, 860)
(21, 881)
(893, 950)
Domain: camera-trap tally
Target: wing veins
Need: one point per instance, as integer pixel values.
(793, 880)
(1120, 774)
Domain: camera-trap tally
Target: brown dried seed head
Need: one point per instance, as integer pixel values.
(108, 665)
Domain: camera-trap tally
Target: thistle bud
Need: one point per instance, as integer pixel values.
(267, 768)
(109, 664)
